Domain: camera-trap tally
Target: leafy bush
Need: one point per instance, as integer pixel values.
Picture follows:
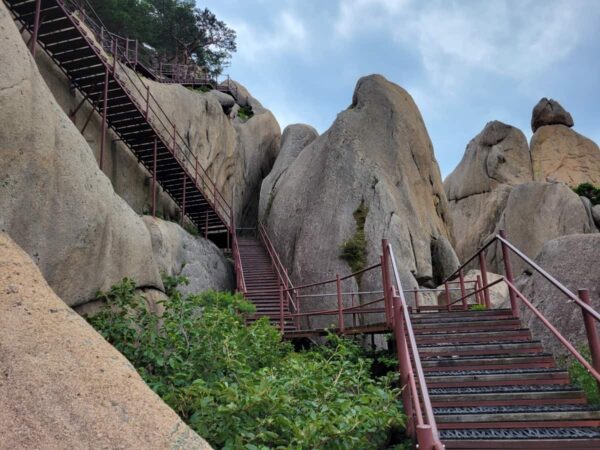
(583, 379)
(477, 307)
(245, 112)
(590, 191)
(242, 387)
(354, 250)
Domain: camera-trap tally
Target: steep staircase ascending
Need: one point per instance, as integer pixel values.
(262, 283)
(141, 125)
(493, 387)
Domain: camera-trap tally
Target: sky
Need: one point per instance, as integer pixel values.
(464, 62)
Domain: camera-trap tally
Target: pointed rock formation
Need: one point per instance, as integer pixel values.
(372, 172)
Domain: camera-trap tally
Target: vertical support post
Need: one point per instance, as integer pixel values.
(127, 49)
(36, 26)
(403, 362)
(184, 192)
(115, 51)
(463, 292)
(147, 102)
(478, 285)
(338, 285)
(509, 275)
(136, 51)
(174, 139)
(353, 313)
(206, 225)
(417, 300)
(281, 314)
(385, 276)
(154, 157)
(590, 330)
(448, 298)
(104, 118)
(484, 279)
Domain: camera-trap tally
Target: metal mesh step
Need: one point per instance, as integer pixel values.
(451, 373)
(521, 433)
(494, 356)
(470, 410)
(502, 389)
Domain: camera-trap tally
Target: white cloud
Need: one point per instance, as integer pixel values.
(454, 39)
(288, 34)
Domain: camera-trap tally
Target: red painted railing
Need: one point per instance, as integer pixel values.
(148, 106)
(240, 282)
(589, 315)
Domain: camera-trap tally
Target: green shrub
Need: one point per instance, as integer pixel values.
(354, 250)
(583, 379)
(590, 191)
(242, 387)
(245, 112)
(477, 307)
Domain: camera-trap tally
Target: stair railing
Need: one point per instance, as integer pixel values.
(287, 290)
(590, 316)
(421, 426)
(150, 108)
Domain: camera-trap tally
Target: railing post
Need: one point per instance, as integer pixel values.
(385, 277)
(281, 315)
(104, 118)
(147, 102)
(448, 298)
(590, 330)
(184, 192)
(403, 362)
(174, 140)
(463, 292)
(36, 26)
(353, 313)
(478, 285)
(154, 157)
(115, 51)
(127, 49)
(136, 51)
(338, 285)
(509, 275)
(483, 270)
(206, 225)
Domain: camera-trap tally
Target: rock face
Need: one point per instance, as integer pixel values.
(376, 158)
(534, 214)
(54, 201)
(497, 156)
(494, 161)
(561, 154)
(293, 140)
(179, 253)
(573, 260)
(549, 112)
(63, 385)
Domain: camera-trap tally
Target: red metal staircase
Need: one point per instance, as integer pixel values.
(96, 63)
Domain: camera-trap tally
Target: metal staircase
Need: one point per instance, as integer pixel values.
(97, 64)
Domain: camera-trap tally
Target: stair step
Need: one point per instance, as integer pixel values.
(517, 361)
(495, 378)
(473, 336)
(482, 348)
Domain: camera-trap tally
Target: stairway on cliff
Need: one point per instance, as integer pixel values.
(492, 385)
(262, 283)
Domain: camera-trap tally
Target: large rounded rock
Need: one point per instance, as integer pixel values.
(54, 201)
(179, 253)
(497, 156)
(63, 385)
(549, 112)
(561, 154)
(534, 214)
(293, 140)
(573, 260)
(375, 166)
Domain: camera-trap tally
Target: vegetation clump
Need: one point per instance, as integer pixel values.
(245, 112)
(240, 386)
(583, 379)
(590, 191)
(354, 250)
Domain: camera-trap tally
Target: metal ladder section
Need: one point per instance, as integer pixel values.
(126, 105)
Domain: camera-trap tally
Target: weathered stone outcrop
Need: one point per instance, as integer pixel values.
(573, 260)
(559, 153)
(63, 385)
(293, 140)
(536, 213)
(376, 159)
(494, 161)
(497, 156)
(549, 112)
(54, 201)
(179, 253)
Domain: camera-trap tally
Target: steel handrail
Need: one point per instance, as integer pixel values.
(554, 331)
(93, 27)
(463, 265)
(551, 279)
(416, 358)
(322, 283)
